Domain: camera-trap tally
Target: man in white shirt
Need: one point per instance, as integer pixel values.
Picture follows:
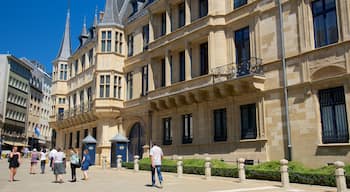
(51, 155)
(156, 155)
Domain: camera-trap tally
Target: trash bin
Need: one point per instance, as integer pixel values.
(89, 143)
(119, 147)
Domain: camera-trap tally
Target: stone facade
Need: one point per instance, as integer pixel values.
(189, 69)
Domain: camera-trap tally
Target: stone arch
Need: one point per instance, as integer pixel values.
(325, 72)
(137, 137)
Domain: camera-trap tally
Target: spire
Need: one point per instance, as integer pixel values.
(84, 35)
(65, 49)
(95, 18)
(111, 15)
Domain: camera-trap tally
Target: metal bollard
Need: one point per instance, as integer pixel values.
(136, 163)
(241, 169)
(104, 162)
(340, 176)
(119, 161)
(207, 168)
(179, 166)
(284, 173)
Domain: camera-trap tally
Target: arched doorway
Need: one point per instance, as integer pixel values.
(137, 140)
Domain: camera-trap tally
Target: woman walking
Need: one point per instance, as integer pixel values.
(14, 161)
(59, 160)
(86, 162)
(42, 160)
(74, 164)
(34, 161)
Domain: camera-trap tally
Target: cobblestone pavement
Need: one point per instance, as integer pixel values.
(126, 180)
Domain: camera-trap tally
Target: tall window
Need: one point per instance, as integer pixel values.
(83, 62)
(108, 81)
(325, 22)
(239, 3)
(91, 55)
(248, 121)
(76, 67)
(102, 86)
(63, 72)
(145, 36)
(333, 115)
(117, 87)
(118, 42)
(86, 132)
(182, 65)
(70, 140)
(204, 59)
(182, 16)
(106, 41)
(70, 69)
(77, 144)
(220, 125)
(94, 132)
(187, 128)
(242, 43)
(82, 101)
(145, 80)
(130, 45)
(103, 41)
(74, 102)
(203, 8)
(129, 84)
(167, 139)
(89, 98)
(163, 73)
(163, 26)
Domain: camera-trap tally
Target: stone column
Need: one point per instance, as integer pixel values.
(119, 161)
(187, 12)
(167, 18)
(284, 173)
(179, 167)
(188, 68)
(340, 176)
(136, 163)
(241, 169)
(150, 25)
(167, 68)
(207, 168)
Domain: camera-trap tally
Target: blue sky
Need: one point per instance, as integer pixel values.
(34, 28)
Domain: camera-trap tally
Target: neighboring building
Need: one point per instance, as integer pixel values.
(17, 90)
(207, 76)
(39, 133)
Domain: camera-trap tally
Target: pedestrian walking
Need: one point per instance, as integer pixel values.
(51, 155)
(74, 164)
(14, 162)
(43, 158)
(85, 164)
(59, 168)
(156, 155)
(34, 158)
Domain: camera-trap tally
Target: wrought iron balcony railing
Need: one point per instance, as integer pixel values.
(76, 110)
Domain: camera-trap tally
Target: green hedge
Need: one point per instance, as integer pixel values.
(266, 171)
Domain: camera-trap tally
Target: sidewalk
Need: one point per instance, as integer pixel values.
(127, 180)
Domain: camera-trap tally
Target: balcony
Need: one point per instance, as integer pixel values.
(79, 114)
(223, 81)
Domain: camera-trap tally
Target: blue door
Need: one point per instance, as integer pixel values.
(91, 147)
(121, 149)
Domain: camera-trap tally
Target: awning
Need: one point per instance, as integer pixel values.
(15, 144)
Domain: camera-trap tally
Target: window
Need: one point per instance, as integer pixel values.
(94, 132)
(130, 45)
(102, 87)
(108, 81)
(63, 72)
(70, 69)
(145, 80)
(220, 125)
(333, 115)
(182, 65)
(65, 141)
(187, 128)
(117, 87)
(145, 36)
(242, 43)
(163, 73)
(103, 41)
(82, 101)
(106, 41)
(83, 62)
(181, 9)
(325, 22)
(129, 84)
(86, 132)
(239, 3)
(248, 121)
(163, 26)
(203, 8)
(120, 43)
(70, 140)
(74, 102)
(77, 144)
(91, 55)
(204, 59)
(167, 139)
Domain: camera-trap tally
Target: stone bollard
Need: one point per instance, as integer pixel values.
(207, 168)
(119, 161)
(241, 169)
(284, 173)
(136, 163)
(104, 162)
(179, 166)
(340, 176)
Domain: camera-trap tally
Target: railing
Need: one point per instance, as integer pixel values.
(235, 70)
(77, 110)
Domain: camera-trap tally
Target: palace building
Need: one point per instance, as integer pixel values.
(255, 79)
